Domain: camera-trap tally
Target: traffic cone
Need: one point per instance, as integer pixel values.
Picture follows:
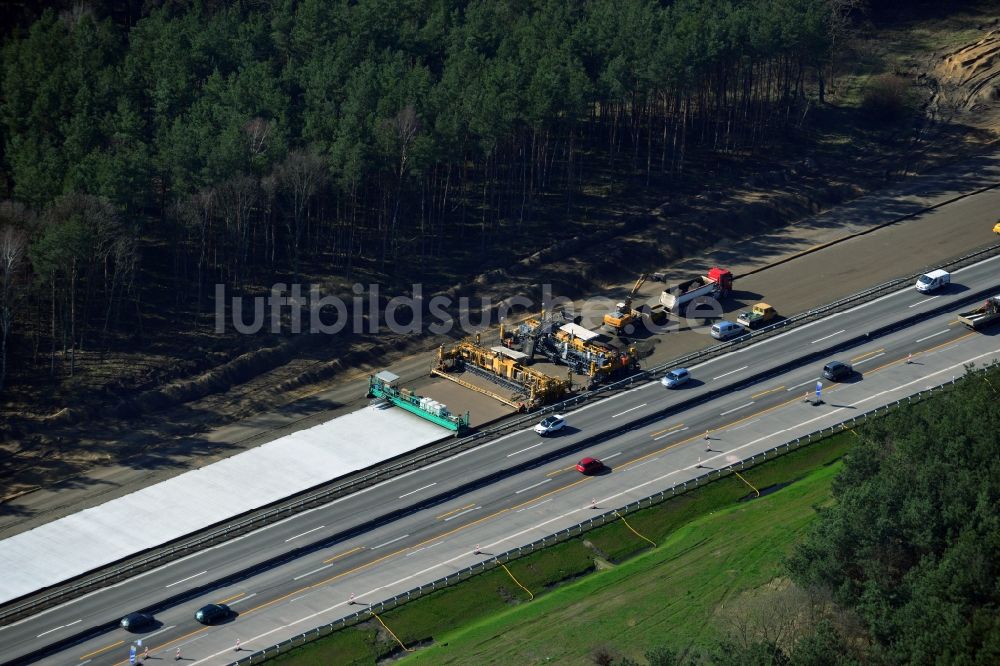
(351, 600)
(237, 648)
(177, 656)
(593, 503)
(909, 359)
(145, 654)
(478, 551)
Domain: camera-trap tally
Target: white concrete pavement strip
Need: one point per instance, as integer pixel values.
(196, 499)
(342, 593)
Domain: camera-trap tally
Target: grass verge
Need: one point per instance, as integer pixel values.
(713, 546)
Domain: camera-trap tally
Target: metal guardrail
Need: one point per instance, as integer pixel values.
(609, 516)
(284, 509)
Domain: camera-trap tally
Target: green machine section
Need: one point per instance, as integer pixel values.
(383, 385)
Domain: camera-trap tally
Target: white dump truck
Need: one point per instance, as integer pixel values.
(717, 284)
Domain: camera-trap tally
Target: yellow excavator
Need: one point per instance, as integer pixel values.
(624, 316)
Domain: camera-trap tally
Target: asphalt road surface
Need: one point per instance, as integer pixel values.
(295, 575)
(798, 285)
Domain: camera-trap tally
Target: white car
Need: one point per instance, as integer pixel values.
(675, 377)
(550, 424)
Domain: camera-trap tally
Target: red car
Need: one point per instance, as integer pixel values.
(589, 466)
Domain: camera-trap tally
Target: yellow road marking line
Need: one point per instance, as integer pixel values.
(660, 432)
(950, 342)
(344, 554)
(886, 365)
(103, 649)
(358, 568)
(231, 598)
(665, 448)
(551, 492)
(871, 353)
(274, 601)
(926, 351)
(467, 506)
(756, 414)
(168, 643)
(757, 395)
(403, 550)
(560, 471)
(719, 429)
(449, 533)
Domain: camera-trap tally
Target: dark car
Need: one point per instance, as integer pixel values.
(136, 621)
(589, 466)
(213, 613)
(837, 370)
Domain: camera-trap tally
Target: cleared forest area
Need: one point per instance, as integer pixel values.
(467, 146)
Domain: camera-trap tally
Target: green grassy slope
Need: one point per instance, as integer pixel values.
(668, 594)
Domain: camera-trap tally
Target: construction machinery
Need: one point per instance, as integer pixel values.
(525, 388)
(625, 315)
(984, 315)
(571, 345)
(717, 284)
(760, 314)
(383, 386)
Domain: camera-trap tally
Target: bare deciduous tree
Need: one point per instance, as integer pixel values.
(404, 128)
(13, 245)
(778, 615)
(257, 131)
(196, 212)
(300, 175)
(841, 15)
(237, 197)
(78, 232)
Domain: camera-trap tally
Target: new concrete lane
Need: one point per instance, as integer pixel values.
(314, 530)
(391, 559)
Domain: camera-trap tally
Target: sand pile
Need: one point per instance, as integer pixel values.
(970, 76)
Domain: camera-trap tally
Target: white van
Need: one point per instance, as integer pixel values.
(726, 329)
(932, 281)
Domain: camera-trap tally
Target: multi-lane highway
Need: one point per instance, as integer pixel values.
(295, 575)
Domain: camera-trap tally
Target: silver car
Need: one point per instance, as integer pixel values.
(726, 329)
(550, 424)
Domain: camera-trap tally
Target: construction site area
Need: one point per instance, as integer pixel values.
(540, 359)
